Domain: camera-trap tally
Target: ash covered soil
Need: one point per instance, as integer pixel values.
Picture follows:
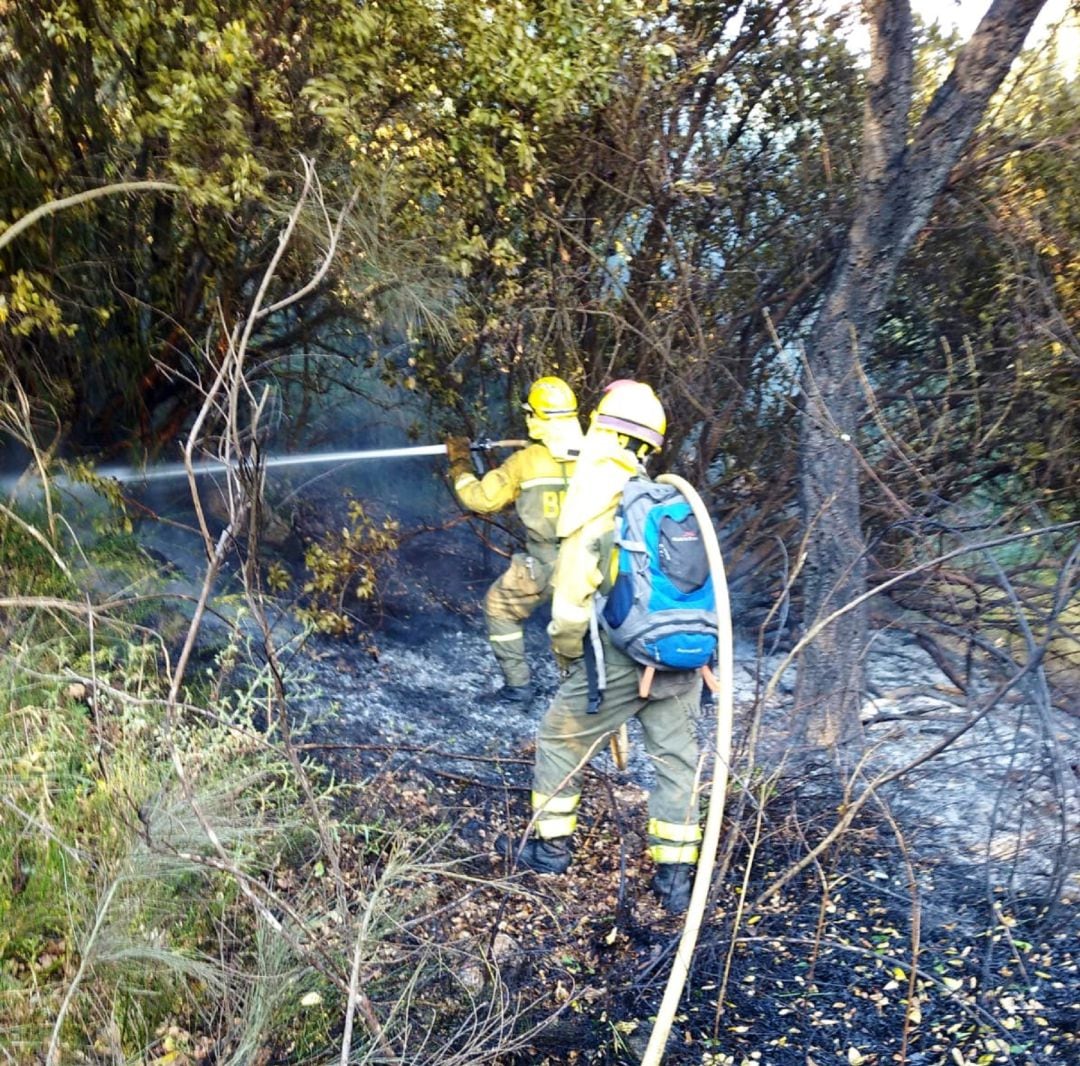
(940, 927)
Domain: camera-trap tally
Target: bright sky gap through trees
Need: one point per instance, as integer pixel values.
(964, 16)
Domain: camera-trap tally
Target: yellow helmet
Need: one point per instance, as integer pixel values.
(550, 397)
(631, 407)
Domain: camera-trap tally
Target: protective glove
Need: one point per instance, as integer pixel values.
(565, 664)
(458, 452)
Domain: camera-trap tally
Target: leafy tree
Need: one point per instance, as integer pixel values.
(973, 363)
(709, 189)
(425, 121)
(902, 172)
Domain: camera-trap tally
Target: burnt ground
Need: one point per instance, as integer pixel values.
(940, 929)
(818, 973)
(916, 937)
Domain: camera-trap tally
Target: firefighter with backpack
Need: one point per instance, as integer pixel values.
(535, 481)
(602, 686)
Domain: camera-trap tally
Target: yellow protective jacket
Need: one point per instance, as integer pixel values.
(586, 532)
(534, 481)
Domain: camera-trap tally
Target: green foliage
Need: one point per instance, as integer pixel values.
(432, 119)
(342, 565)
(28, 567)
(135, 833)
(976, 364)
(101, 869)
(673, 224)
(27, 306)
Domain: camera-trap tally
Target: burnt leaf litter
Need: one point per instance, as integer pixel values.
(872, 954)
(821, 972)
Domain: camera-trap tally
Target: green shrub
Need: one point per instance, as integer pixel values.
(345, 565)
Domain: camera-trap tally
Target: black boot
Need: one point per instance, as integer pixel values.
(518, 696)
(542, 856)
(672, 883)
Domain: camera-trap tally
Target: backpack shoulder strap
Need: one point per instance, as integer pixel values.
(637, 489)
(630, 492)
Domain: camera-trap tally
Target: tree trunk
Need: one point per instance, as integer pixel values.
(901, 175)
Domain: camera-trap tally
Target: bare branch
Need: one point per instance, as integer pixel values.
(51, 208)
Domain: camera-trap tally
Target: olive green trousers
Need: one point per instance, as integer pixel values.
(569, 737)
(510, 600)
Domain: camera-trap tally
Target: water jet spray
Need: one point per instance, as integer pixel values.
(217, 466)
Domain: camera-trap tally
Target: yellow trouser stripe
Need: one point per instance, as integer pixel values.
(502, 638)
(680, 832)
(555, 804)
(556, 815)
(675, 852)
(550, 828)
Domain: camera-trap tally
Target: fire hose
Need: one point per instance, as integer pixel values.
(680, 967)
(217, 466)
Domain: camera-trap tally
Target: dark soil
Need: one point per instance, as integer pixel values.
(876, 953)
(819, 972)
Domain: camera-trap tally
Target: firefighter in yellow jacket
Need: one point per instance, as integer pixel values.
(629, 422)
(534, 480)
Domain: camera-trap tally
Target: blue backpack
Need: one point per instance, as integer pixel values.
(661, 610)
